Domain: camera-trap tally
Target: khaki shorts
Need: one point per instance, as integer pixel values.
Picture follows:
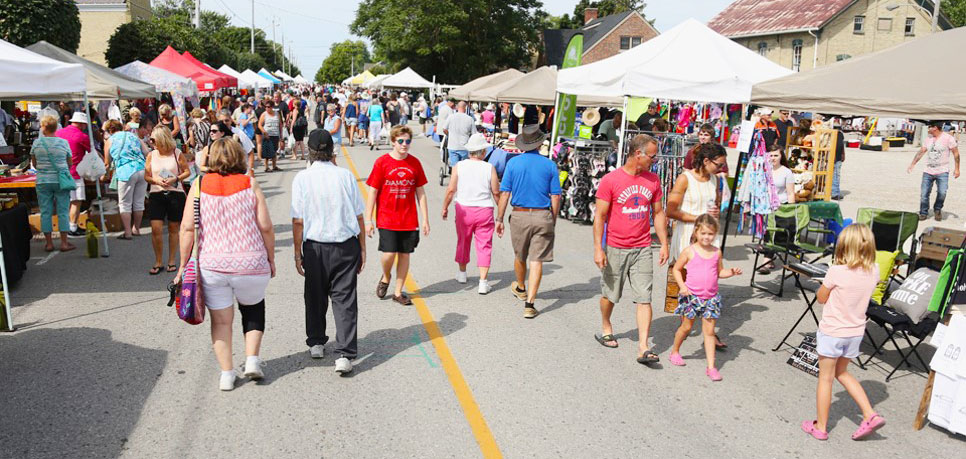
(532, 234)
(631, 266)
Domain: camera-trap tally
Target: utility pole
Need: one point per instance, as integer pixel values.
(274, 50)
(252, 49)
(197, 14)
(284, 58)
(935, 15)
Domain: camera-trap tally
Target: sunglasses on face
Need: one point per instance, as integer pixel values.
(216, 131)
(404, 141)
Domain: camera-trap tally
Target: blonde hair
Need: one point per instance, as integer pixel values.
(163, 140)
(705, 221)
(197, 113)
(226, 156)
(113, 126)
(133, 112)
(48, 123)
(855, 247)
(399, 130)
(164, 110)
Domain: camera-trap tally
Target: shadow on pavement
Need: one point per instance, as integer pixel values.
(843, 407)
(376, 348)
(71, 392)
(499, 281)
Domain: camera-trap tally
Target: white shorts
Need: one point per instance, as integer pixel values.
(79, 193)
(221, 290)
(834, 347)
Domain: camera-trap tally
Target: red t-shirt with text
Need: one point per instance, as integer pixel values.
(396, 181)
(631, 199)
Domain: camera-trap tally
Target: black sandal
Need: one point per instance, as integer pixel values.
(603, 339)
(648, 358)
(155, 271)
(172, 268)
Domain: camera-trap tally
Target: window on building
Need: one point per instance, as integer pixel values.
(858, 25)
(885, 25)
(628, 42)
(796, 55)
(842, 57)
(910, 26)
(763, 48)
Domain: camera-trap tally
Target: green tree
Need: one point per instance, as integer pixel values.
(955, 11)
(455, 40)
(144, 40)
(339, 64)
(604, 8)
(25, 22)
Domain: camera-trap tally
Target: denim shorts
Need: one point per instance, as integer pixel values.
(834, 347)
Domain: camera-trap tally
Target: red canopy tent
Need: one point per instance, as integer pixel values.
(231, 81)
(206, 79)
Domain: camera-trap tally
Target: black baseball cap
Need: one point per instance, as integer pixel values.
(320, 140)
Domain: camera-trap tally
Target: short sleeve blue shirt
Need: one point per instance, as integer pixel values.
(531, 179)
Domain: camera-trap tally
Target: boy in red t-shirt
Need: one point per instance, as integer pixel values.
(395, 185)
(627, 199)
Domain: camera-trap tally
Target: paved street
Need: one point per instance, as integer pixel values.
(101, 368)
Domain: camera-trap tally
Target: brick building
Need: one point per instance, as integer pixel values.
(603, 37)
(802, 35)
(100, 18)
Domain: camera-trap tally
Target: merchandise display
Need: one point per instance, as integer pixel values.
(582, 163)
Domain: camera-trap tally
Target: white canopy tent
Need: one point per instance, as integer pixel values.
(300, 79)
(259, 81)
(406, 78)
(163, 80)
(668, 67)
(243, 82)
(284, 76)
(377, 81)
(28, 75)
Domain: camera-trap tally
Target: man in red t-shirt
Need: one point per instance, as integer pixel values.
(395, 185)
(627, 199)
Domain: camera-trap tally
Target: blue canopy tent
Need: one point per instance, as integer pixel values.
(269, 76)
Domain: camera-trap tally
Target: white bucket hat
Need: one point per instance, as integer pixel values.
(477, 142)
(79, 117)
(519, 110)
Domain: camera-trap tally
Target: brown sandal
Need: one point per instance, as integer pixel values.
(403, 299)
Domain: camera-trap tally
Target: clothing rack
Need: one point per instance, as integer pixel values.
(584, 162)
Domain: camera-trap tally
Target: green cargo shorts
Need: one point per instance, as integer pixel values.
(628, 266)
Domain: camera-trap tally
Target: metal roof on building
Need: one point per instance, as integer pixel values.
(746, 18)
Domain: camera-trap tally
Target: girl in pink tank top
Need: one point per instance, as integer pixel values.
(702, 264)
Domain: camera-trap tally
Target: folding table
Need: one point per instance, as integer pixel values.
(817, 272)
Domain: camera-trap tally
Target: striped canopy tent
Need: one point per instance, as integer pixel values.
(268, 75)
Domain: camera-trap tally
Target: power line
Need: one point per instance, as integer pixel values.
(233, 13)
(301, 14)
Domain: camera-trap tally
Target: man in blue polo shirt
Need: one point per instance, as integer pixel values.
(531, 184)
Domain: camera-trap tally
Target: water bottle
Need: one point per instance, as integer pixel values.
(92, 232)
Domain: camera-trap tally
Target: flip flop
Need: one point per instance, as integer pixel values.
(125, 238)
(603, 339)
(68, 249)
(721, 346)
(172, 268)
(49, 249)
(648, 358)
(155, 271)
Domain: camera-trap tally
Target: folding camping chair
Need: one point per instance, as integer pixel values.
(784, 238)
(895, 323)
(892, 228)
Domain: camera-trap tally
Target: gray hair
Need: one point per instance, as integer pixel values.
(478, 153)
(330, 107)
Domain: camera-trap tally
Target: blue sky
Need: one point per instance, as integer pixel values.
(310, 27)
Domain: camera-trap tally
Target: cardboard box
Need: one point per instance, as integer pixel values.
(34, 220)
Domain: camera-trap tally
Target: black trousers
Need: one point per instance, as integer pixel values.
(330, 273)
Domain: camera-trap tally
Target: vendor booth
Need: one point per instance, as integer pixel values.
(406, 78)
(243, 83)
(376, 82)
(283, 76)
(206, 79)
(259, 81)
(102, 82)
(268, 76)
(359, 79)
(874, 84)
(467, 91)
(229, 81)
(299, 79)
(28, 75)
(180, 88)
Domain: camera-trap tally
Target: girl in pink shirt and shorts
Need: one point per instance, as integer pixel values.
(845, 294)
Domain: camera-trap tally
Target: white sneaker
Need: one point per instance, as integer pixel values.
(461, 277)
(253, 369)
(343, 365)
(485, 287)
(227, 380)
(317, 351)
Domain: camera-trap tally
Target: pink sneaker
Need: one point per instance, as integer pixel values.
(676, 359)
(869, 427)
(809, 428)
(713, 374)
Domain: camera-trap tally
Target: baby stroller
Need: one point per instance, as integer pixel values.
(445, 169)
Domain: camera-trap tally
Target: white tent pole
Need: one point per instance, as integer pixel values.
(620, 148)
(100, 201)
(6, 291)
(556, 108)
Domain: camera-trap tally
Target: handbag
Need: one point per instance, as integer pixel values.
(190, 302)
(64, 179)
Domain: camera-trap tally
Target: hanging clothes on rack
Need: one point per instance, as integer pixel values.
(756, 192)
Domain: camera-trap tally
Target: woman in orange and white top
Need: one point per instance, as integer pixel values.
(236, 253)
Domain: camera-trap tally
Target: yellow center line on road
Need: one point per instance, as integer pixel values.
(471, 410)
